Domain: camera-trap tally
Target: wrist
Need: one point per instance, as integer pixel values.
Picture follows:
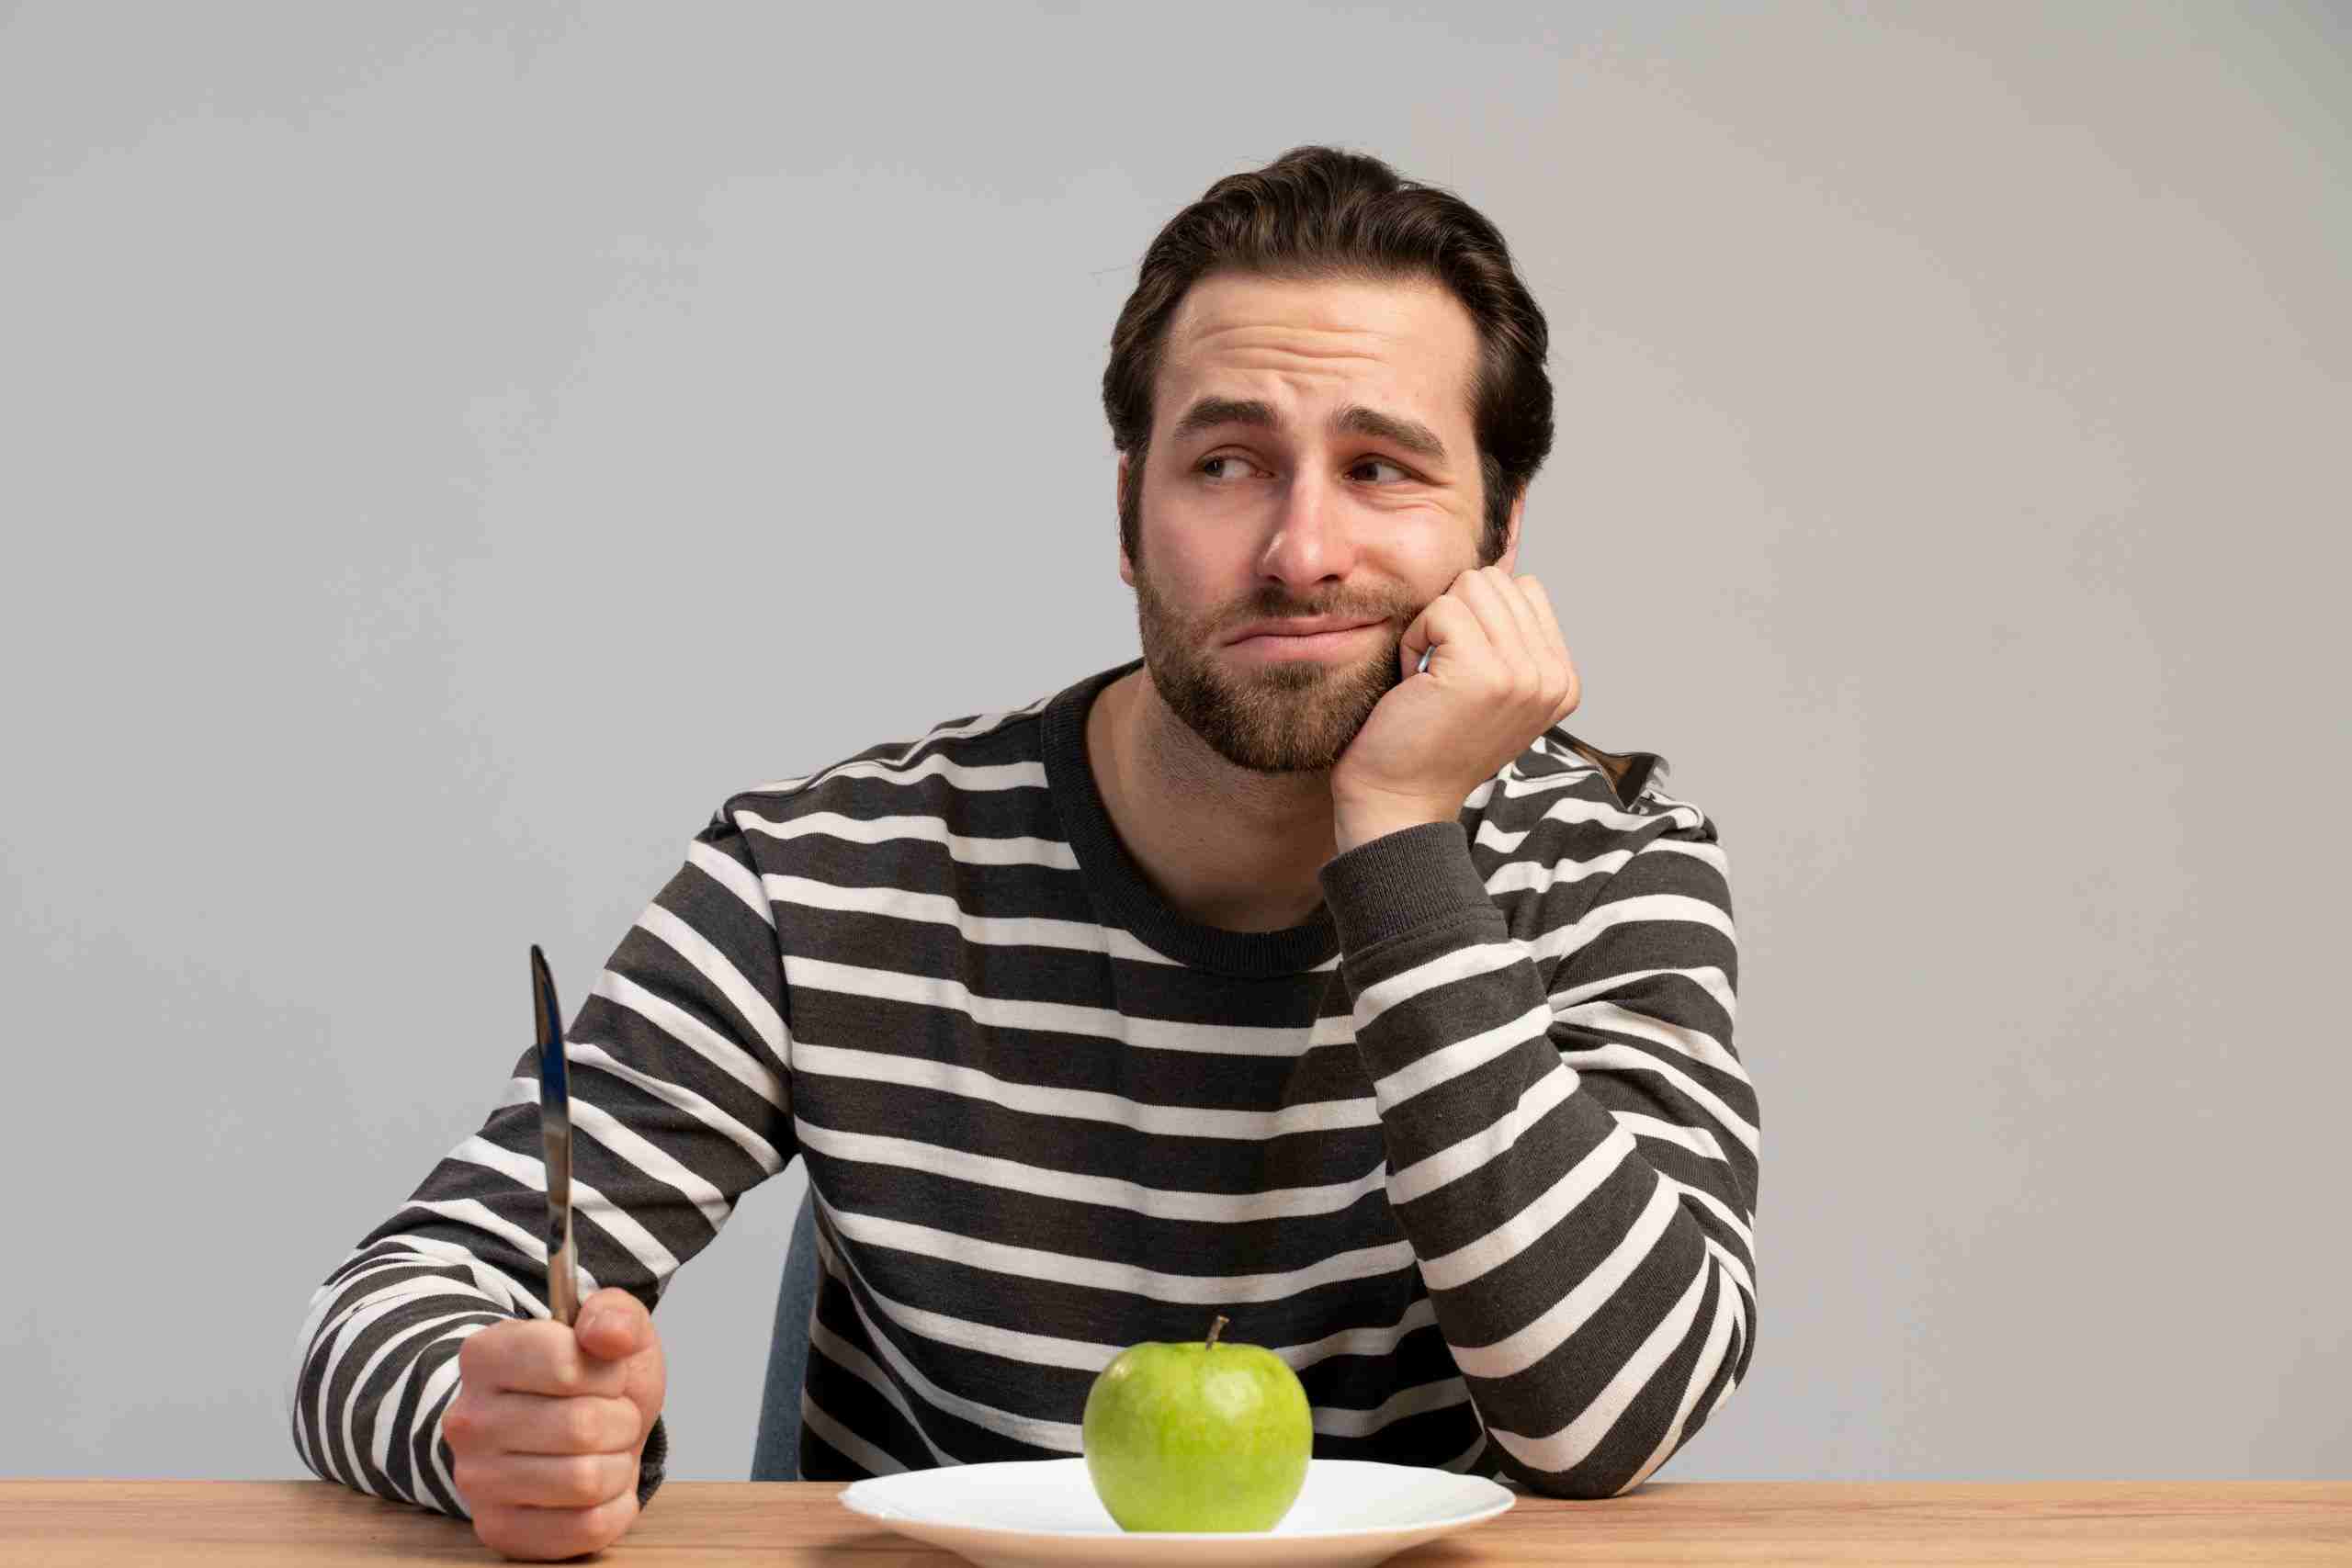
(1355, 823)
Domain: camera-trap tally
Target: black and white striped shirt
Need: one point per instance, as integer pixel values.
(1471, 1149)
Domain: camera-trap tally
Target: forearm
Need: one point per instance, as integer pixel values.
(378, 1359)
(378, 1365)
(678, 1106)
(1598, 1307)
(1595, 1320)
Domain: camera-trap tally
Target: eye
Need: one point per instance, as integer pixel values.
(1361, 464)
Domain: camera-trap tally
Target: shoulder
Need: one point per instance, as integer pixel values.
(1565, 796)
(1572, 840)
(918, 774)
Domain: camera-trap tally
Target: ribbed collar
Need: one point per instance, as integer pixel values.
(1117, 884)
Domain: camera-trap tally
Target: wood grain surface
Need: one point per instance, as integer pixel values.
(67, 1524)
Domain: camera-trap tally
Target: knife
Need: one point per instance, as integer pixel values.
(554, 1143)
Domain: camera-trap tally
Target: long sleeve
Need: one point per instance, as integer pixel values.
(1572, 1141)
(679, 1074)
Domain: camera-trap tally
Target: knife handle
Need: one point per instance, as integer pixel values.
(563, 1273)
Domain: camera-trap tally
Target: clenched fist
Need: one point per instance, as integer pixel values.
(548, 1425)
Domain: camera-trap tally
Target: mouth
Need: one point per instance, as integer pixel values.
(1302, 645)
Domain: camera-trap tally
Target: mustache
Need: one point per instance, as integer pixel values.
(1262, 610)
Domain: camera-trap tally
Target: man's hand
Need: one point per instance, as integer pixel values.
(548, 1425)
(1500, 675)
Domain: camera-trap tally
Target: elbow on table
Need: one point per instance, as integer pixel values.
(1599, 1471)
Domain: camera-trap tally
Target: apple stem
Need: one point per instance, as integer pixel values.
(1214, 1328)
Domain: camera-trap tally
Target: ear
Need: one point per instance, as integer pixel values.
(1118, 495)
(1509, 561)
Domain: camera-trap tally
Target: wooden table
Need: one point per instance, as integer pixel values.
(65, 1524)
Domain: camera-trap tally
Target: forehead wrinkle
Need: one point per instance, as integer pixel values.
(1260, 337)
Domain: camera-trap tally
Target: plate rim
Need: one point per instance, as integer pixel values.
(1503, 1500)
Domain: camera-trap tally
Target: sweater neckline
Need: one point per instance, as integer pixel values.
(1117, 883)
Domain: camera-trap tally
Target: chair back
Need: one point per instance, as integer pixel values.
(775, 1454)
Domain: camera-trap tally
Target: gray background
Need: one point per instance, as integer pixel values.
(450, 449)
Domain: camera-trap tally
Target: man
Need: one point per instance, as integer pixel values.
(1302, 970)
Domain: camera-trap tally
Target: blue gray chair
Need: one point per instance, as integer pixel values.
(775, 1454)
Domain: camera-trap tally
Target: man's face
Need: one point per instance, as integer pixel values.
(1329, 500)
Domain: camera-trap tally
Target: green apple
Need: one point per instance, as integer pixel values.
(1197, 1437)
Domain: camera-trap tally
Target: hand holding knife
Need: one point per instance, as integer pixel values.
(550, 1435)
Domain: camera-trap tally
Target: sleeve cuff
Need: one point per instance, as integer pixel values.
(650, 1462)
(1401, 882)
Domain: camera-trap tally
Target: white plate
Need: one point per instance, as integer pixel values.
(1027, 1512)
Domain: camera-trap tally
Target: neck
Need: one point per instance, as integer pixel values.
(1225, 847)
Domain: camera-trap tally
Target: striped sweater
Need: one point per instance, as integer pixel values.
(1471, 1149)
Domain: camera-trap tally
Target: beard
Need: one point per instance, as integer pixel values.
(1285, 715)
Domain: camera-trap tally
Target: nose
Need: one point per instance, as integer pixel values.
(1312, 532)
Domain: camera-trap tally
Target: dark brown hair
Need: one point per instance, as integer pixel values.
(1314, 214)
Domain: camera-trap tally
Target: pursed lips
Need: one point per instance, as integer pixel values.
(1277, 632)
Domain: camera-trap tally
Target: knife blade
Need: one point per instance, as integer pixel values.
(554, 1143)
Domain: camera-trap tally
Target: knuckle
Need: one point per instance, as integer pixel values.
(533, 1534)
(496, 1528)
(581, 1482)
(591, 1529)
(556, 1483)
(581, 1425)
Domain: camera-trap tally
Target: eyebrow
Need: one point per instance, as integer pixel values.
(1213, 413)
